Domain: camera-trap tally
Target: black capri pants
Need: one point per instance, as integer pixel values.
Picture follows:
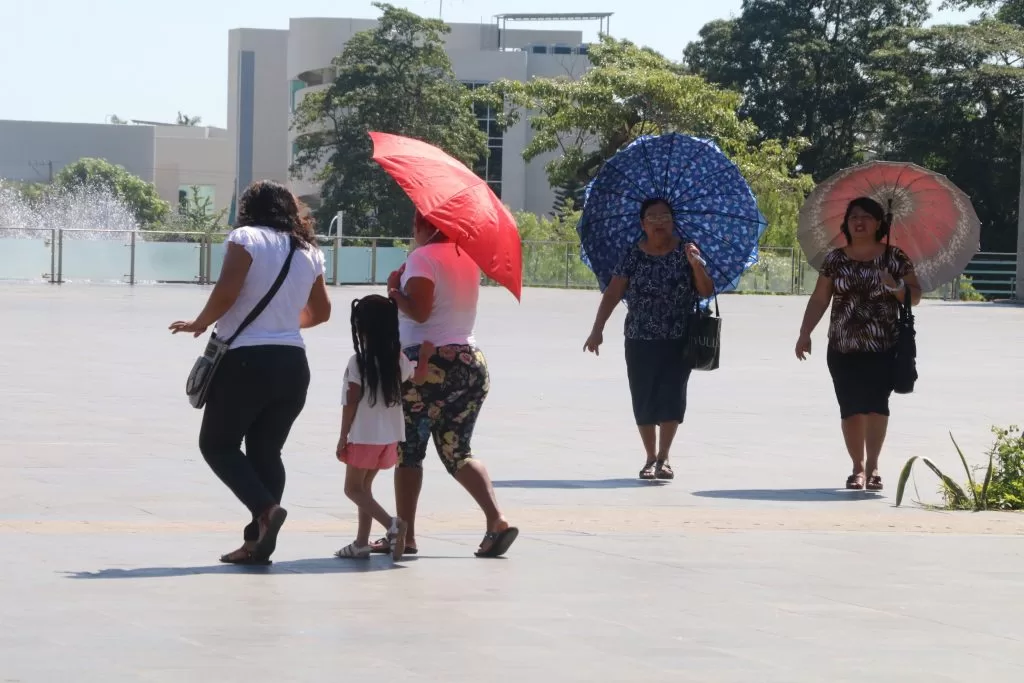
(862, 381)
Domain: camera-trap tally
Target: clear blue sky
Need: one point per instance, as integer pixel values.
(76, 60)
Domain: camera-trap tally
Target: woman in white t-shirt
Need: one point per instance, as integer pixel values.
(372, 421)
(436, 292)
(260, 386)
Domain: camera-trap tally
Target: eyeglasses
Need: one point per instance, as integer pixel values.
(659, 218)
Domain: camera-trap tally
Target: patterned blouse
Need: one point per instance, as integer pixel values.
(660, 294)
(864, 313)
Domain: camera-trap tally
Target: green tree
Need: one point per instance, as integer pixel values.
(568, 197)
(29, 192)
(396, 79)
(801, 66)
(956, 94)
(1007, 11)
(633, 91)
(138, 195)
(197, 213)
(196, 220)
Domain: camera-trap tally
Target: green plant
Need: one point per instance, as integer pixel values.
(1002, 487)
(967, 291)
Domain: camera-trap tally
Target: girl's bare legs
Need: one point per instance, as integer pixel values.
(365, 518)
(357, 488)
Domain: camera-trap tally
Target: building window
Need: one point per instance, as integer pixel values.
(489, 167)
(296, 86)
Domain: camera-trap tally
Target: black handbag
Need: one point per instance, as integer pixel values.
(197, 386)
(905, 362)
(704, 337)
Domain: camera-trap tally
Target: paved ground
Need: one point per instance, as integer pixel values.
(751, 567)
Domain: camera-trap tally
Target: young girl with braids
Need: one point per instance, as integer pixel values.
(372, 421)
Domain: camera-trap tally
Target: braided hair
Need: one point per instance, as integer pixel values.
(377, 345)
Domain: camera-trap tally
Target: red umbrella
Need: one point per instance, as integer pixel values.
(933, 220)
(458, 203)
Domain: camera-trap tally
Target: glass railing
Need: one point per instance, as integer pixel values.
(145, 257)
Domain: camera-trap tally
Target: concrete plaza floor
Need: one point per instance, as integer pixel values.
(753, 566)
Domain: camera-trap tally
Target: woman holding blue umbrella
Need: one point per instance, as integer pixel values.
(661, 276)
(643, 217)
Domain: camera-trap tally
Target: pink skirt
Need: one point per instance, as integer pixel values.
(370, 456)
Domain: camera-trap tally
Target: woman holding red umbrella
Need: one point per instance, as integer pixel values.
(865, 282)
(436, 292)
(460, 228)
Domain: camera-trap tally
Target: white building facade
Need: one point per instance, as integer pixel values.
(270, 71)
(172, 157)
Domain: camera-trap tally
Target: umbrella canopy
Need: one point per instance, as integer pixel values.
(933, 221)
(458, 203)
(711, 201)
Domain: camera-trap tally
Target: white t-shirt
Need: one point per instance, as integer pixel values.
(379, 424)
(456, 281)
(278, 324)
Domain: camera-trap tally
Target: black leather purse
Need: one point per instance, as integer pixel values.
(905, 364)
(704, 337)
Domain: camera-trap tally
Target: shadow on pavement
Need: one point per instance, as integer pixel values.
(576, 483)
(317, 565)
(792, 495)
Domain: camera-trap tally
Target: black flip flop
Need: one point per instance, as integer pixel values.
(382, 547)
(501, 541)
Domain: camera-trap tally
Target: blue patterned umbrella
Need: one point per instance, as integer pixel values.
(713, 205)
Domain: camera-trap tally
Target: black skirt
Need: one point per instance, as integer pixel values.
(658, 373)
(862, 380)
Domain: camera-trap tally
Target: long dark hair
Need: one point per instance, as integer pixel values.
(269, 204)
(377, 345)
(873, 209)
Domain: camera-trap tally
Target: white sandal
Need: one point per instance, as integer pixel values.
(354, 552)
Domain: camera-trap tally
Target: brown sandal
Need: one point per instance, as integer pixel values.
(855, 482)
(874, 483)
(243, 556)
(664, 471)
(271, 522)
(649, 472)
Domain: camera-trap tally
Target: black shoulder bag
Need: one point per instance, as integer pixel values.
(704, 336)
(905, 363)
(198, 383)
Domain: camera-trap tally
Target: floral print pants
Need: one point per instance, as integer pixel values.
(445, 407)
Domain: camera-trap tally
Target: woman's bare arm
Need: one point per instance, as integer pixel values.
(702, 281)
(318, 307)
(915, 290)
(609, 300)
(417, 300)
(817, 305)
(237, 262)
